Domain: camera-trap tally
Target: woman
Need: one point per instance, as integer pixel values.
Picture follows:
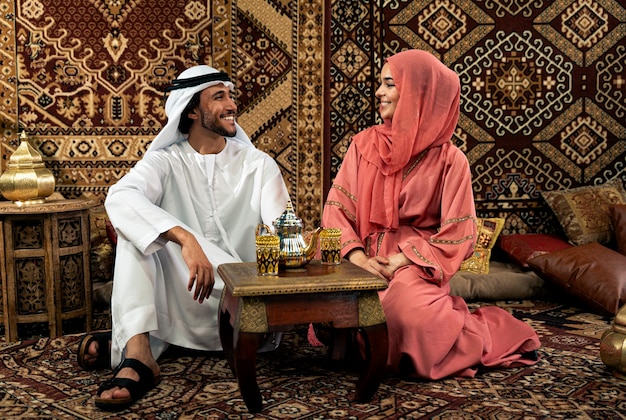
(403, 199)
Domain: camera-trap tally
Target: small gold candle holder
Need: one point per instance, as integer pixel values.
(267, 255)
(330, 246)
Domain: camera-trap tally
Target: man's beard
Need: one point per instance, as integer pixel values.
(215, 125)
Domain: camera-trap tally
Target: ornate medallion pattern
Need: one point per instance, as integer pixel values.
(543, 99)
(91, 73)
(544, 85)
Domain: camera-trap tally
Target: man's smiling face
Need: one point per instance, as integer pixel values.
(218, 110)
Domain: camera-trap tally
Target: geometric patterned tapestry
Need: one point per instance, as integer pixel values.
(85, 79)
(543, 100)
(543, 90)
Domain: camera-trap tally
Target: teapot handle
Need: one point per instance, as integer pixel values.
(262, 226)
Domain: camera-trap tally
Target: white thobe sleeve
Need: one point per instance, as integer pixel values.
(275, 197)
(131, 205)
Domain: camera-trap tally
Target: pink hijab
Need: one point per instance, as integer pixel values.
(426, 116)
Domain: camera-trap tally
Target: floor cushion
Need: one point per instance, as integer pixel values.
(583, 212)
(593, 273)
(618, 221)
(487, 232)
(505, 281)
(522, 247)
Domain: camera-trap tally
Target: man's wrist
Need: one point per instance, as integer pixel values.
(176, 234)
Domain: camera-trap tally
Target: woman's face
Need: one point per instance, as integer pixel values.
(387, 94)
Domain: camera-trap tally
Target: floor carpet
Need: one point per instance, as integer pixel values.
(39, 378)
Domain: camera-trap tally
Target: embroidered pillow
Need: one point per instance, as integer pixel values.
(584, 212)
(487, 231)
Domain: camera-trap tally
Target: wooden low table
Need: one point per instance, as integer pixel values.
(344, 296)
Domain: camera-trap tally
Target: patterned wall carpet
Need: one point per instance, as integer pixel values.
(40, 379)
(543, 98)
(543, 107)
(86, 78)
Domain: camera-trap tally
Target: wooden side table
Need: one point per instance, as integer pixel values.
(342, 295)
(44, 264)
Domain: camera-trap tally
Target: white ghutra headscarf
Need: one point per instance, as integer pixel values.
(187, 84)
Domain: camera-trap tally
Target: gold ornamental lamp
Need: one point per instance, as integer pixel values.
(26, 180)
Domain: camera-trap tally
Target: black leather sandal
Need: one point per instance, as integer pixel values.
(137, 389)
(103, 361)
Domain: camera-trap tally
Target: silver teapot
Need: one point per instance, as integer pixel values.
(294, 251)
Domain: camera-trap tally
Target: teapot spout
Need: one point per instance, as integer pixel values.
(311, 248)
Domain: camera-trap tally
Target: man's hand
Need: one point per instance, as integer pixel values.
(200, 268)
(383, 267)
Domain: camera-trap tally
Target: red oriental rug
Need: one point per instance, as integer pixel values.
(40, 379)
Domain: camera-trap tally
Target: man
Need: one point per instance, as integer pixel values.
(192, 203)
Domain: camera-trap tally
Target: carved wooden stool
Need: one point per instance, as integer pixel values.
(344, 296)
(44, 264)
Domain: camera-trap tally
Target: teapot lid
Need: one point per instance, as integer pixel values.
(288, 218)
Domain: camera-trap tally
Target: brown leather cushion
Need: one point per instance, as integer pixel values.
(618, 220)
(522, 247)
(593, 273)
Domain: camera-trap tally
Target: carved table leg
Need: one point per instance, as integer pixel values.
(240, 349)
(227, 338)
(246, 346)
(376, 348)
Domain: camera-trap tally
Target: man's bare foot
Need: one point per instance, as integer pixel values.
(137, 348)
(94, 351)
(91, 356)
(132, 389)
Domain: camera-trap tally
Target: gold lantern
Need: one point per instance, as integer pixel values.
(26, 180)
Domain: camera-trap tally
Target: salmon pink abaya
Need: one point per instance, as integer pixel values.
(404, 187)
